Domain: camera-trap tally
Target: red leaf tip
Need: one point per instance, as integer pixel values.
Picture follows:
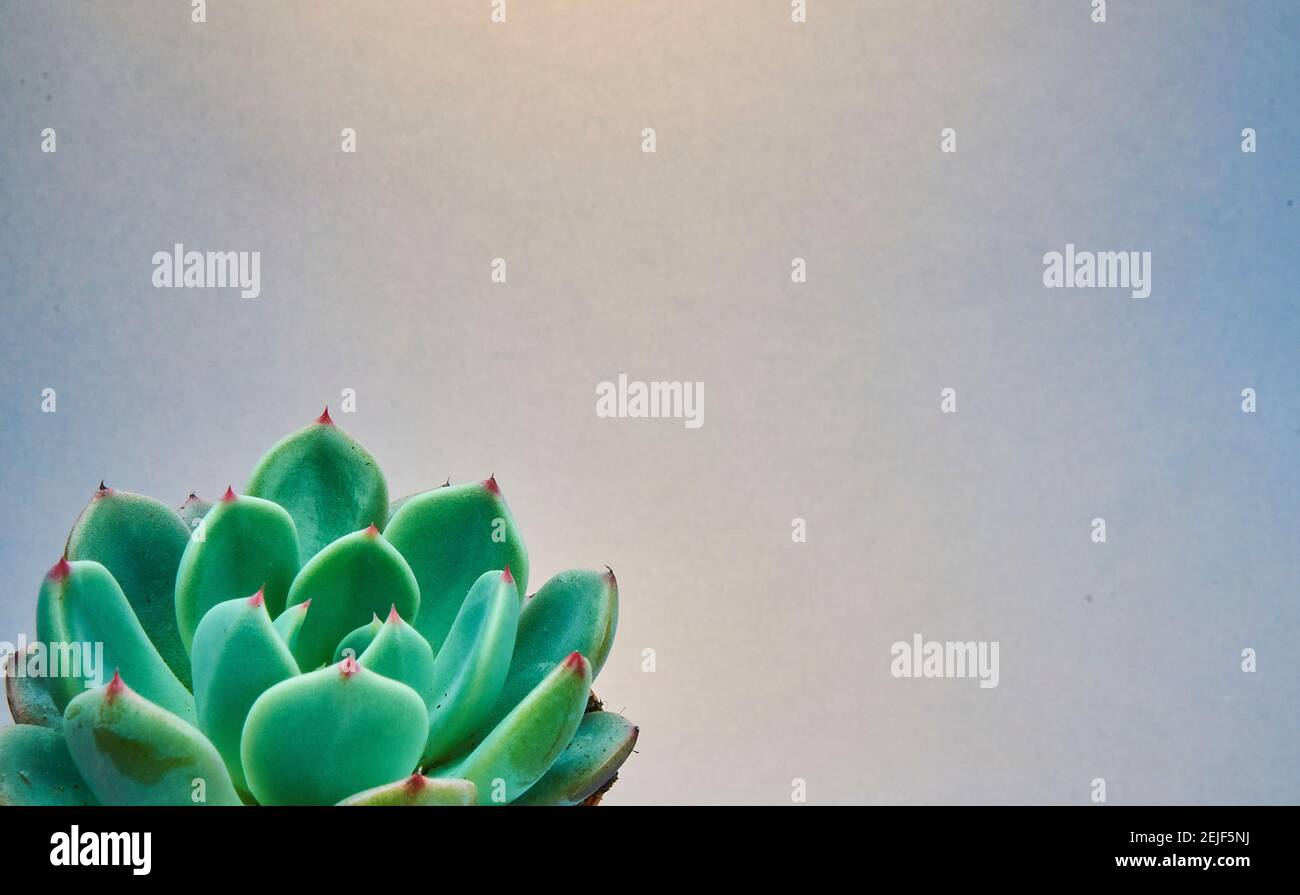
(259, 598)
(324, 418)
(115, 686)
(393, 615)
(491, 484)
(372, 531)
(575, 662)
(60, 570)
(103, 490)
(349, 667)
(229, 495)
(415, 782)
(506, 576)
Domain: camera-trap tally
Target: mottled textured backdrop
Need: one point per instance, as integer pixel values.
(775, 140)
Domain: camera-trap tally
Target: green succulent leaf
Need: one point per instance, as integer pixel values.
(36, 769)
(192, 511)
(29, 699)
(576, 611)
(602, 743)
(416, 790)
(355, 642)
(451, 536)
(237, 657)
(326, 480)
(80, 606)
(132, 752)
(471, 667)
(354, 578)
(400, 653)
(320, 737)
(243, 544)
(289, 623)
(140, 541)
(527, 742)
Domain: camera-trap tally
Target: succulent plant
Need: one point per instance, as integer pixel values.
(306, 642)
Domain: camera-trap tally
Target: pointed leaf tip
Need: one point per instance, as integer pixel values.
(349, 667)
(393, 615)
(575, 662)
(60, 569)
(610, 575)
(115, 686)
(259, 598)
(506, 576)
(103, 489)
(491, 484)
(324, 418)
(416, 782)
(229, 495)
(371, 531)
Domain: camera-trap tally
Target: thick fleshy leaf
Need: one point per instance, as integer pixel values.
(602, 743)
(132, 752)
(244, 544)
(326, 480)
(356, 577)
(140, 541)
(289, 623)
(471, 667)
(29, 699)
(320, 737)
(576, 611)
(355, 642)
(192, 511)
(36, 769)
(527, 742)
(81, 607)
(237, 657)
(400, 653)
(451, 536)
(416, 790)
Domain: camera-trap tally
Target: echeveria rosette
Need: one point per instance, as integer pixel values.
(306, 642)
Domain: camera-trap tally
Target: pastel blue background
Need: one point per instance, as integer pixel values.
(775, 140)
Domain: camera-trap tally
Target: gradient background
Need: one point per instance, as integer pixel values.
(775, 140)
